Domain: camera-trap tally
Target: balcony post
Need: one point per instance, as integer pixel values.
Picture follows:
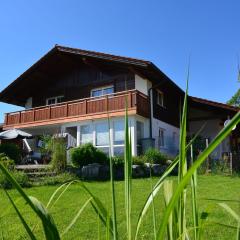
(33, 115)
(130, 100)
(78, 136)
(49, 112)
(106, 103)
(6, 119)
(19, 117)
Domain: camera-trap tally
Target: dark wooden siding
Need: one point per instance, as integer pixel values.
(78, 82)
(170, 112)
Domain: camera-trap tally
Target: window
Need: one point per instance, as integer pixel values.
(102, 91)
(102, 134)
(160, 98)
(86, 134)
(140, 132)
(118, 132)
(54, 100)
(174, 140)
(161, 133)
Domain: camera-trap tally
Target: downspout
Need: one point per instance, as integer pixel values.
(151, 105)
(150, 111)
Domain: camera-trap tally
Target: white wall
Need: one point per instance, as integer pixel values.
(211, 129)
(171, 137)
(142, 84)
(132, 129)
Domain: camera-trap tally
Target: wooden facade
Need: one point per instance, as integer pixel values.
(170, 111)
(73, 73)
(78, 83)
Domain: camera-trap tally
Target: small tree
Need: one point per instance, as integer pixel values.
(59, 154)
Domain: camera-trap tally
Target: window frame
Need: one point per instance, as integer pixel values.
(101, 89)
(90, 132)
(95, 140)
(55, 99)
(160, 103)
(161, 137)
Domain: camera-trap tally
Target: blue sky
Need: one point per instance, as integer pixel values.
(165, 32)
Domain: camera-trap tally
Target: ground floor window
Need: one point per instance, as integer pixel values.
(102, 134)
(161, 137)
(98, 134)
(86, 135)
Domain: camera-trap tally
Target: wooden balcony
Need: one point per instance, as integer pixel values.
(82, 109)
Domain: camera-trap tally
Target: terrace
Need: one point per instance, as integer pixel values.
(82, 109)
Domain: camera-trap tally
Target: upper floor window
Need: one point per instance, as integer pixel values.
(54, 100)
(97, 92)
(160, 98)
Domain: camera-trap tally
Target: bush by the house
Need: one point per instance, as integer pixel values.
(54, 180)
(87, 154)
(59, 155)
(20, 177)
(12, 151)
(6, 161)
(118, 161)
(138, 160)
(152, 155)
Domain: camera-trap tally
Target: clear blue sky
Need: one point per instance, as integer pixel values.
(165, 32)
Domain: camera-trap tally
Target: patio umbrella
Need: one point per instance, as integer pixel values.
(14, 134)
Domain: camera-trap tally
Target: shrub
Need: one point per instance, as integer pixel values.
(87, 154)
(12, 151)
(138, 160)
(20, 177)
(118, 161)
(54, 180)
(59, 155)
(7, 162)
(101, 157)
(153, 155)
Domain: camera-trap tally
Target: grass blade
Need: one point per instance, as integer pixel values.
(99, 208)
(28, 229)
(167, 194)
(182, 167)
(233, 214)
(76, 217)
(219, 138)
(115, 231)
(194, 200)
(54, 194)
(159, 184)
(50, 229)
(128, 175)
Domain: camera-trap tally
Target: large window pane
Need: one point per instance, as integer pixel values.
(107, 90)
(118, 151)
(105, 150)
(102, 135)
(118, 132)
(102, 91)
(86, 134)
(96, 93)
(140, 131)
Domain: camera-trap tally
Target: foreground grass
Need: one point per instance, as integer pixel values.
(89, 227)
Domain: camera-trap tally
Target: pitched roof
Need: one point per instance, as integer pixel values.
(215, 104)
(101, 55)
(147, 68)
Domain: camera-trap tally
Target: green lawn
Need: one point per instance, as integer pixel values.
(87, 226)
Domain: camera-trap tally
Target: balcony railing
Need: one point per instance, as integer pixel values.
(83, 107)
